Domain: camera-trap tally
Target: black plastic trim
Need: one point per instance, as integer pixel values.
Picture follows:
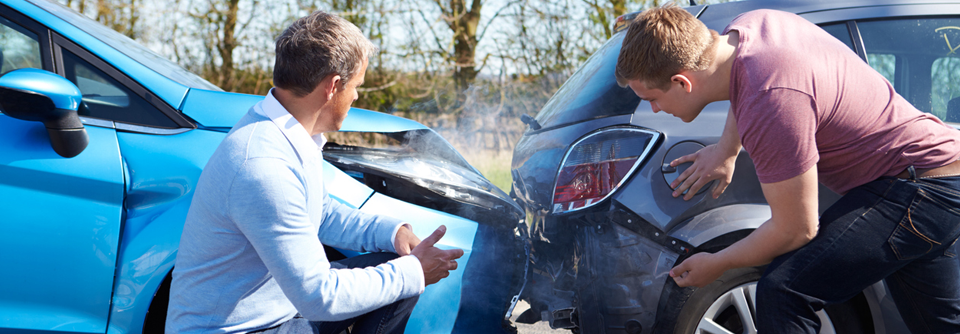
(857, 40)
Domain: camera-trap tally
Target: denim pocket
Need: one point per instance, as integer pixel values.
(951, 251)
(929, 224)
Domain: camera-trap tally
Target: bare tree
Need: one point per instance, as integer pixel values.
(120, 15)
(600, 11)
(221, 30)
(463, 21)
(81, 5)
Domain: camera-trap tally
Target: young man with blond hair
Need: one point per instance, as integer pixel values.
(807, 109)
(251, 257)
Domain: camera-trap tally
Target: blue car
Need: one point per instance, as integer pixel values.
(103, 142)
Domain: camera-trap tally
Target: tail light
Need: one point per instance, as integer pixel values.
(596, 165)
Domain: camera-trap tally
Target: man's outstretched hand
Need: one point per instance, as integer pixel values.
(437, 263)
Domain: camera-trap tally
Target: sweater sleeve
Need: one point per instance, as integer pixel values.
(268, 202)
(349, 228)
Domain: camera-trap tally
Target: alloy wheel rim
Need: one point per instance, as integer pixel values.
(734, 312)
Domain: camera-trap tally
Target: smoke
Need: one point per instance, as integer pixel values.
(484, 119)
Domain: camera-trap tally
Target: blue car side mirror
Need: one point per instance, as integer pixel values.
(36, 95)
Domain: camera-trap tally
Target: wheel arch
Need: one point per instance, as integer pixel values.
(156, 318)
(146, 262)
(710, 225)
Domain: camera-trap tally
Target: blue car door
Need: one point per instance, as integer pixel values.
(59, 218)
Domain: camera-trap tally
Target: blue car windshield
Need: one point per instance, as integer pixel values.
(126, 46)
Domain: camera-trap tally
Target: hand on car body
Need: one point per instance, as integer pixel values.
(709, 164)
(713, 162)
(698, 270)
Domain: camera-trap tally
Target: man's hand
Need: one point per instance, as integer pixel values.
(698, 270)
(405, 241)
(437, 263)
(714, 162)
(709, 163)
(793, 207)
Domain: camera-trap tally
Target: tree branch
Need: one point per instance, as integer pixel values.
(378, 88)
(490, 22)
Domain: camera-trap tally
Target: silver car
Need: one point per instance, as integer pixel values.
(592, 174)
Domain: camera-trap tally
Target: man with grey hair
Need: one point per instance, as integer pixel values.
(251, 257)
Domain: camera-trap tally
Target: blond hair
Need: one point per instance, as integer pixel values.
(660, 42)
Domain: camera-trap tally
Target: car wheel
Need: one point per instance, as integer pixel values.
(728, 306)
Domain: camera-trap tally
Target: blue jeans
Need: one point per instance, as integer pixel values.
(388, 319)
(900, 230)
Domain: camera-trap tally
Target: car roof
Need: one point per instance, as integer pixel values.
(719, 15)
(804, 6)
(163, 87)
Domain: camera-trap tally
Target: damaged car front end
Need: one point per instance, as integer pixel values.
(410, 163)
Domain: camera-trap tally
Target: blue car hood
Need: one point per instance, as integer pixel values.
(214, 109)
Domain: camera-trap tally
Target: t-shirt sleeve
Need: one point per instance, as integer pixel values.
(778, 129)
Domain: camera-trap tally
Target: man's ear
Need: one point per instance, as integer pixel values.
(330, 85)
(683, 80)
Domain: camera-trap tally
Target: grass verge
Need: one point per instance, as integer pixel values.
(494, 165)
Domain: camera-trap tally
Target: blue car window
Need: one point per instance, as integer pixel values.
(920, 56)
(106, 98)
(20, 47)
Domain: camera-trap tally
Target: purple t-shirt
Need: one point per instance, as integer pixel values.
(801, 97)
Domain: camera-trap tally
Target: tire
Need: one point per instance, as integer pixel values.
(727, 306)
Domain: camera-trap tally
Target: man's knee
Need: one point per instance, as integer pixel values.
(406, 305)
(774, 292)
(770, 290)
(781, 309)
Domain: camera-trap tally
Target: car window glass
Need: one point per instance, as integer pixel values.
(106, 98)
(920, 57)
(592, 91)
(839, 30)
(945, 86)
(883, 63)
(20, 46)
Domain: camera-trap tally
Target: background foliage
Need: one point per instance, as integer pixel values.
(466, 68)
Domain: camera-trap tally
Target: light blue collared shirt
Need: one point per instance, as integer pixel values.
(251, 257)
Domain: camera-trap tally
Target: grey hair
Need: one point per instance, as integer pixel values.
(315, 47)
